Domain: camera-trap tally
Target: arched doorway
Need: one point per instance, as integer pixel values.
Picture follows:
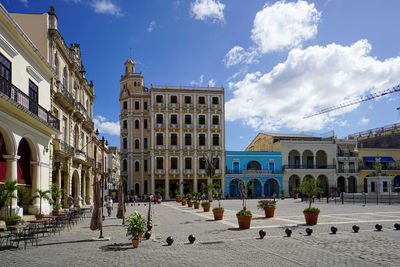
(351, 184)
(24, 175)
(308, 177)
(322, 182)
(294, 182)
(321, 159)
(308, 159)
(271, 186)
(234, 188)
(294, 159)
(254, 188)
(137, 188)
(3, 161)
(341, 184)
(88, 186)
(75, 186)
(253, 165)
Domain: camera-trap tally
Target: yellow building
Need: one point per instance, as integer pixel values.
(389, 159)
(165, 133)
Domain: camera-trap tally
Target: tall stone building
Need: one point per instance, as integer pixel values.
(166, 132)
(73, 157)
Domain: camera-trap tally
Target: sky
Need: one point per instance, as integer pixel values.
(277, 60)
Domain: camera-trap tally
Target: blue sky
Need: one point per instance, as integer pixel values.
(278, 60)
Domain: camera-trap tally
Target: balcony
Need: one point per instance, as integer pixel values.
(159, 105)
(187, 171)
(88, 124)
(309, 167)
(202, 126)
(188, 105)
(22, 101)
(202, 106)
(188, 126)
(215, 126)
(384, 167)
(216, 147)
(201, 171)
(218, 171)
(159, 171)
(80, 111)
(188, 147)
(174, 105)
(254, 172)
(124, 131)
(215, 106)
(173, 147)
(159, 126)
(90, 161)
(124, 173)
(158, 147)
(347, 154)
(80, 155)
(347, 171)
(98, 166)
(63, 148)
(174, 126)
(202, 148)
(173, 171)
(64, 97)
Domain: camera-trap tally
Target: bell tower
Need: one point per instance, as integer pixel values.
(130, 67)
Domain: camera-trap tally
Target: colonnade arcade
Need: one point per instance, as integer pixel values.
(257, 186)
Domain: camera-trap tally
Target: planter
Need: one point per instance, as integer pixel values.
(178, 199)
(206, 208)
(196, 205)
(269, 212)
(311, 217)
(282, 198)
(183, 202)
(190, 204)
(295, 197)
(140, 238)
(12, 223)
(218, 214)
(158, 201)
(244, 221)
(135, 243)
(56, 212)
(39, 216)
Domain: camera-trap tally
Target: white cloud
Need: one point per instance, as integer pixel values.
(200, 82)
(106, 7)
(212, 83)
(277, 27)
(238, 55)
(363, 121)
(309, 79)
(105, 126)
(208, 9)
(25, 2)
(151, 26)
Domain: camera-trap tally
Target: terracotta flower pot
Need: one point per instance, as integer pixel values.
(311, 217)
(190, 204)
(218, 214)
(183, 202)
(244, 221)
(39, 216)
(135, 243)
(282, 198)
(269, 212)
(140, 237)
(158, 201)
(206, 208)
(196, 205)
(178, 199)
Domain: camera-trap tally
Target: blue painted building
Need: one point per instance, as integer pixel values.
(262, 170)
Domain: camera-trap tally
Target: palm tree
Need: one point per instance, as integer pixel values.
(210, 171)
(7, 192)
(41, 194)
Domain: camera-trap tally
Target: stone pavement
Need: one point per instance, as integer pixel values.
(222, 243)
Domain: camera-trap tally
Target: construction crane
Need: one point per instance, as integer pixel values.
(356, 101)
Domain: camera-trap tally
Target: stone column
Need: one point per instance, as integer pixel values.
(59, 177)
(11, 175)
(83, 190)
(167, 188)
(35, 206)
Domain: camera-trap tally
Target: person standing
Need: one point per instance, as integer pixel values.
(109, 206)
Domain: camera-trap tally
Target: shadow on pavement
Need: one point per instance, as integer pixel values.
(117, 247)
(66, 242)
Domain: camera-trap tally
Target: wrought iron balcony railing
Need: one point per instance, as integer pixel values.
(27, 104)
(309, 166)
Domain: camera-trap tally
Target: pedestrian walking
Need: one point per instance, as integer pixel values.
(109, 206)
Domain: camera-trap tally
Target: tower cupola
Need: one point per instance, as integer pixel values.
(129, 66)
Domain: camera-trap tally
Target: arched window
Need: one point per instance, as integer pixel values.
(137, 144)
(125, 124)
(125, 143)
(136, 166)
(136, 124)
(124, 165)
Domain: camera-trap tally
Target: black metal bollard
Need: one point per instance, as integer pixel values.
(378, 227)
(397, 226)
(288, 232)
(192, 238)
(309, 231)
(262, 234)
(333, 230)
(147, 235)
(356, 228)
(170, 240)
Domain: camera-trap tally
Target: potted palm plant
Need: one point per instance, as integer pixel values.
(159, 191)
(206, 206)
(283, 194)
(309, 187)
(7, 195)
(136, 226)
(183, 200)
(56, 195)
(196, 202)
(268, 206)
(41, 194)
(244, 215)
(189, 200)
(218, 211)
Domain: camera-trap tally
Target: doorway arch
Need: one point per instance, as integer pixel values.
(271, 186)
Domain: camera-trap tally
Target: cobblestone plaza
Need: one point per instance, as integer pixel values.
(221, 243)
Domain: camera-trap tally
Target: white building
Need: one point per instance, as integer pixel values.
(26, 122)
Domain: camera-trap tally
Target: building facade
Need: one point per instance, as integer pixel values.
(113, 171)
(73, 154)
(166, 132)
(261, 172)
(26, 120)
